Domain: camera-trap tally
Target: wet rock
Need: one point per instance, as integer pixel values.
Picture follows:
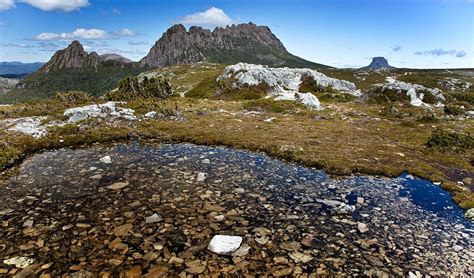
(201, 177)
(106, 159)
(135, 272)
(118, 185)
(153, 219)
(299, 257)
(123, 230)
(19, 262)
(243, 251)
(362, 227)
(224, 245)
(469, 214)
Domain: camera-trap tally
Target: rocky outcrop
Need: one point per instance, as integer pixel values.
(416, 92)
(237, 43)
(72, 56)
(284, 83)
(379, 63)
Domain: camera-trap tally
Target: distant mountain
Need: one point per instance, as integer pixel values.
(379, 63)
(237, 43)
(15, 68)
(114, 58)
(73, 68)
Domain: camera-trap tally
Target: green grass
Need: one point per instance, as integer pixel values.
(206, 88)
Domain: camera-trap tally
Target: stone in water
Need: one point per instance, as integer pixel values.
(106, 159)
(153, 219)
(224, 245)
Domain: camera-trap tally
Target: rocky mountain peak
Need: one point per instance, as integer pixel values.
(379, 63)
(73, 56)
(232, 44)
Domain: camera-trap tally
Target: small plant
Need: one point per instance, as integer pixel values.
(443, 140)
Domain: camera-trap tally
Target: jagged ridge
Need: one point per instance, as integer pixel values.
(237, 43)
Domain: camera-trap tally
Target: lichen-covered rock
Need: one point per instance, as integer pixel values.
(106, 110)
(30, 125)
(284, 83)
(416, 92)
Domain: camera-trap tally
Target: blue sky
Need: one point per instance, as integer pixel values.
(341, 33)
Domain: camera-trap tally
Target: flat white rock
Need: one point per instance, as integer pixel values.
(224, 245)
(19, 262)
(153, 219)
(106, 159)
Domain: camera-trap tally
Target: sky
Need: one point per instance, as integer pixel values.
(339, 33)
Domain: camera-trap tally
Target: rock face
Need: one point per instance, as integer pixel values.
(237, 43)
(379, 63)
(284, 82)
(72, 56)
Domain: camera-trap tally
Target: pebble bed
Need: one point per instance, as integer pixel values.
(152, 209)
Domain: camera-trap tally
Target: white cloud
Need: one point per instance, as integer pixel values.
(125, 33)
(211, 17)
(6, 4)
(81, 33)
(441, 52)
(47, 5)
(62, 5)
(87, 34)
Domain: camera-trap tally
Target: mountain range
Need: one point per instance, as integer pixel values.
(73, 68)
(18, 68)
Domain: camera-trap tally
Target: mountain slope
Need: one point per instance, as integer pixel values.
(237, 43)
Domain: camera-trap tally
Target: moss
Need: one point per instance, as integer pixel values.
(443, 140)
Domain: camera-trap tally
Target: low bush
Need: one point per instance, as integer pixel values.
(324, 94)
(226, 90)
(73, 96)
(453, 110)
(131, 88)
(443, 140)
(381, 95)
(428, 119)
